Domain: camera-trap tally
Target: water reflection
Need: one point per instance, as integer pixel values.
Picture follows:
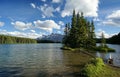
(43, 60)
(33, 59)
(11, 72)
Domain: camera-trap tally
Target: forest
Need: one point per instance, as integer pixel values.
(112, 40)
(5, 39)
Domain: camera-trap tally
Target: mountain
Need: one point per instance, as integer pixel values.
(52, 37)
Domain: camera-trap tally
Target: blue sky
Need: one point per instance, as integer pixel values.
(34, 18)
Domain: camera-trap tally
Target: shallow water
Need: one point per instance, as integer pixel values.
(38, 60)
(114, 55)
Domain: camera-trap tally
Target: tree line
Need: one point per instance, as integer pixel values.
(4, 39)
(80, 32)
(114, 39)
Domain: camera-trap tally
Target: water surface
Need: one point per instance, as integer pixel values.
(44, 60)
(38, 60)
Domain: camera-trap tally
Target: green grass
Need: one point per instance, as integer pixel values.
(93, 68)
(97, 68)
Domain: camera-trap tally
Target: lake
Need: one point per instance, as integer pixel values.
(38, 60)
(43, 60)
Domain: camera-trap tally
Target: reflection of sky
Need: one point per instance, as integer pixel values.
(33, 58)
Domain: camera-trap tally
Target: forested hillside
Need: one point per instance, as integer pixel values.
(4, 39)
(114, 39)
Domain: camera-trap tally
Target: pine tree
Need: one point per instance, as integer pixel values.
(73, 31)
(92, 35)
(66, 31)
(103, 41)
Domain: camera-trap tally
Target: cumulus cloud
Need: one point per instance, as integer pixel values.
(56, 1)
(88, 7)
(32, 35)
(47, 10)
(47, 25)
(100, 31)
(33, 5)
(21, 25)
(61, 23)
(113, 19)
(2, 24)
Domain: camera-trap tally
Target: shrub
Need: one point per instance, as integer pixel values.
(93, 68)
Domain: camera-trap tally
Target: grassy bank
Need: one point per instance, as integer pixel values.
(89, 65)
(97, 68)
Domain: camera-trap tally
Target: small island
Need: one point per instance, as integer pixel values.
(103, 46)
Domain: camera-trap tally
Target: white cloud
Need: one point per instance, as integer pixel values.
(114, 14)
(43, 0)
(2, 24)
(47, 10)
(61, 23)
(96, 19)
(57, 9)
(33, 31)
(56, 1)
(21, 25)
(113, 19)
(33, 5)
(21, 34)
(88, 7)
(100, 31)
(47, 25)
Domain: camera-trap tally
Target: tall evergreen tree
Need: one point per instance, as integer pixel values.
(73, 31)
(66, 31)
(92, 35)
(103, 41)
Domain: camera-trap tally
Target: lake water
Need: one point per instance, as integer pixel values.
(30, 60)
(38, 60)
(43, 60)
(115, 55)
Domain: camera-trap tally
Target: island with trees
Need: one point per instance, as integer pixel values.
(103, 46)
(80, 34)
